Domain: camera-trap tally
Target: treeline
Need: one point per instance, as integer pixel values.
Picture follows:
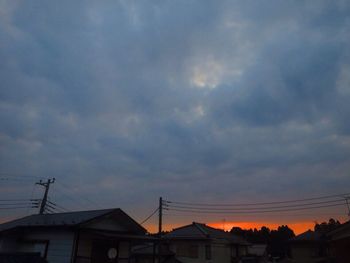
(325, 227)
(277, 240)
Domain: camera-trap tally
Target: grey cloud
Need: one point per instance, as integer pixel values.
(177, 99)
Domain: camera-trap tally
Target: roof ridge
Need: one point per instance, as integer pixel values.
(180, 227)
(200, 227)
(43, 218)
(67, 212)
(217, 229)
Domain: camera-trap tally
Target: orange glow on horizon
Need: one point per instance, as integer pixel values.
(297, 227)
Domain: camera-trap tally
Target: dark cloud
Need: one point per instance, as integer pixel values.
(129, 100)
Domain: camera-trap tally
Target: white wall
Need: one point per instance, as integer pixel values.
(60, 246)
(220, 252)
(59, 249)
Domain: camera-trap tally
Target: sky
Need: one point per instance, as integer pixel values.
(195, 101)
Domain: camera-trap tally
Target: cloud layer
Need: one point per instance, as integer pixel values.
(217, 101)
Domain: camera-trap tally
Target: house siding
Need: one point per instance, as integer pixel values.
(220, 251)
(85, 246)
(305, 253)
(59, 246)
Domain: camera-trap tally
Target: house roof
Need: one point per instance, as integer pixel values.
(72, 219)
(308, 236)
(202, 231)
(341, 231)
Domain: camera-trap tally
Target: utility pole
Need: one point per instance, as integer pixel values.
(347, 203)
(160, 215)
(47, 187)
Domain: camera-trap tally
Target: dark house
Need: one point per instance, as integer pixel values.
(339, 243)
(309, 247)
(149, 253)
(96, 236)
(201, 243)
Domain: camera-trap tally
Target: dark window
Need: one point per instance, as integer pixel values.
(187, 250)
(207, 252)
(193, 253)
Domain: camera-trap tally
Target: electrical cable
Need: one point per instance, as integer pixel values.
(145, 220)
(58, 207)
(255, 208)
(252, 211)
(264, 203)
(10, 208)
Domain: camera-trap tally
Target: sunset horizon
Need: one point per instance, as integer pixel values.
(298, 227)
(230, 113)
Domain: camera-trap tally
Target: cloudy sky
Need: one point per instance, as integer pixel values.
(201, 101)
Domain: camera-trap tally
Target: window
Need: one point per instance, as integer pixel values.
(207, 252)
(193, 251)
(187, 250)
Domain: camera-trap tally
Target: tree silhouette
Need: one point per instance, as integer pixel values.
(325, 227)
(276, 240)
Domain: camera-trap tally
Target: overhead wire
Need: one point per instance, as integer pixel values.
(240, 209)
(11, 208)
(81, 198)
(80, 202)
(14, 204)
(14, 200)
(343, 195)
(58, 207)
(256, 208)
(76, 202)
(147, 218)
(252, 211)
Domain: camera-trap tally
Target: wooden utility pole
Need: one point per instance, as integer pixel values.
(160, 215)
(347, 203)
(47, 187)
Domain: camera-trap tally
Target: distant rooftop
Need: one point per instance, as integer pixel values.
(308, 236)
(202, 231)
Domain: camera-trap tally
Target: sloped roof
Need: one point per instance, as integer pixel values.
(202, 231)
(71, 219)
(341, 231)
(308, 236)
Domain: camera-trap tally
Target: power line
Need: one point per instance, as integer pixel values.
(152, 214)
(258, 204)
(15, 200)
(14, 204)
(241, 216)
(252, 211)
(31, 196)
(76, 202)
(16, 207)
(58, 206)
(22, 175)
(255, 208)
(86, 199)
